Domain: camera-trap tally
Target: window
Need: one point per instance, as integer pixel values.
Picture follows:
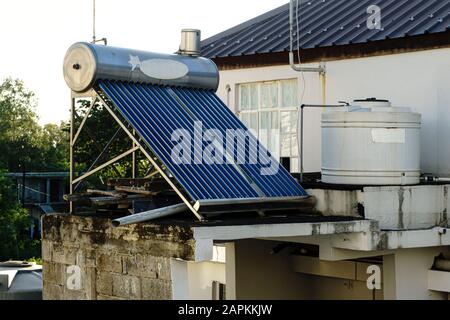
(270, 110)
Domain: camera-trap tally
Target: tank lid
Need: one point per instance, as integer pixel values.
(371, 103)
(371, 100)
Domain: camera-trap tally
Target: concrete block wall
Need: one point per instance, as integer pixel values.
(88, 259)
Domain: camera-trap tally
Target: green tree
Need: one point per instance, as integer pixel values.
(53, 144)
(22, 140)
(14, 226)
(18, 124)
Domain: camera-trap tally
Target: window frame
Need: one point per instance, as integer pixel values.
(279, 110)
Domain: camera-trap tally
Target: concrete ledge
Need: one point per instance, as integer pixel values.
(205, 236)
(439, 281)
(392, 240)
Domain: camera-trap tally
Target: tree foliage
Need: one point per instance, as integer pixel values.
(24, 144)
(14, 226)
(22, 140)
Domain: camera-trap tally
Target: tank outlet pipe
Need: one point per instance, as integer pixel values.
(150, 215)
(295, 67)
(301, 134)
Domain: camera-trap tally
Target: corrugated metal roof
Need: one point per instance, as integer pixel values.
(156, 112)
(325, 23)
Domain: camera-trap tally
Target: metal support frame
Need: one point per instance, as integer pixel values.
(152, 160)
(107, 164)
(101, 155)
(72, 162)
(88, 113)
(136, 146)
(134, 164)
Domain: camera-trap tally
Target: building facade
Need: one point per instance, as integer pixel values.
(41, 193)
(406, 62)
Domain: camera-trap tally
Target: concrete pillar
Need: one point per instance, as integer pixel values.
(194, 280)
(406, 274)
(180, 280)
(230, 272)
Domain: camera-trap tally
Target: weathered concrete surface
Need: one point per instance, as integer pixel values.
(408, 207)
(340, 203)
(132, 262)
(394, 207)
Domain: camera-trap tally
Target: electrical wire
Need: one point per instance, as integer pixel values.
(33, 190)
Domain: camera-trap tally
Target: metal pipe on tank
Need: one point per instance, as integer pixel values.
(190, 42)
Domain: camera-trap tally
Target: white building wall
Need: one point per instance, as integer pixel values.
(194, 280)
(406, 275)
(419, 80)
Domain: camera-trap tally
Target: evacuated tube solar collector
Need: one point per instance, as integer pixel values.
(151, 95)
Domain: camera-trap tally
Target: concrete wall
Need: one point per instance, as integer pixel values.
(418, 80)
(132, 262)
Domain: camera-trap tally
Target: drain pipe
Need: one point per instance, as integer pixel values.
(228, 90)
(321, 70)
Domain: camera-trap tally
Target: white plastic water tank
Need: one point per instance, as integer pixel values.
(371, 143)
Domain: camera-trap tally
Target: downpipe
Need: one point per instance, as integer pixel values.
(321, 69)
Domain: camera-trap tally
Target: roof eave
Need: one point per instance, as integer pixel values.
(339, 52)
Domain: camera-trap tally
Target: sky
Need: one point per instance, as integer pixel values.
(35, 35)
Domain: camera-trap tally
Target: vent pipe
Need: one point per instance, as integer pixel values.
(190, 42)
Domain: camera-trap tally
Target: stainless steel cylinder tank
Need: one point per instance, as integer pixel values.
(371, 143)
(86, 63)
